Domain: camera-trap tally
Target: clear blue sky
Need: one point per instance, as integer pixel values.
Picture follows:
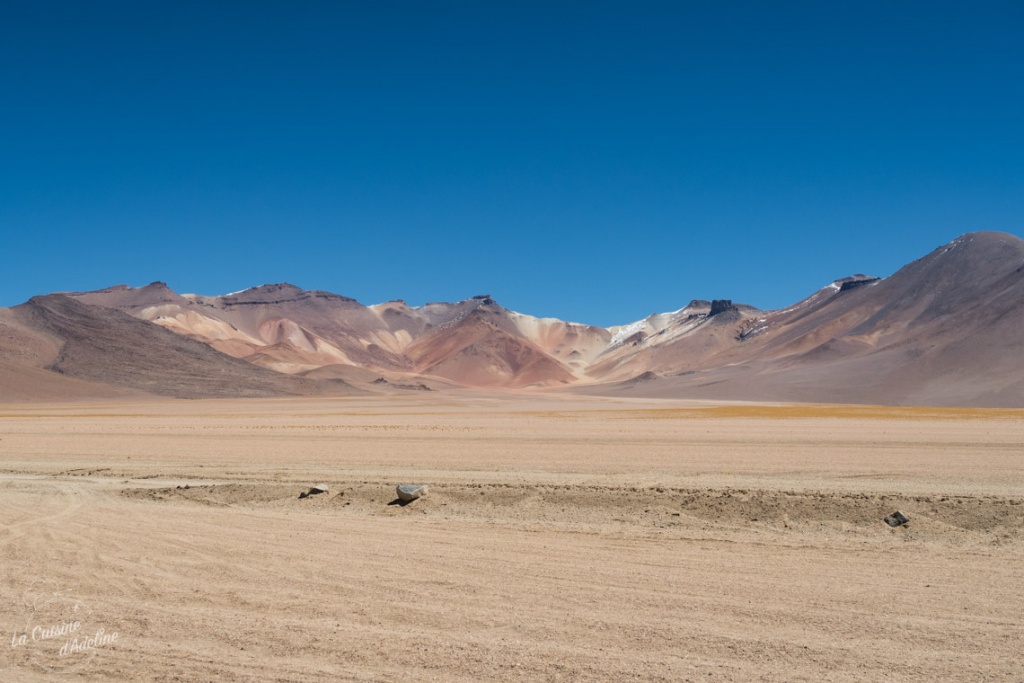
(593, 161)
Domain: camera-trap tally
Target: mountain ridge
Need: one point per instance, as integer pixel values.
(946, 329)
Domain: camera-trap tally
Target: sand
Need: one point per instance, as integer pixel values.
(562, 539)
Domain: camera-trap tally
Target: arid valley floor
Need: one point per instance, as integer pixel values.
(562, 539)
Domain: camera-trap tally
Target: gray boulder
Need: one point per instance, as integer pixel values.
(409, 492)
(314, 490)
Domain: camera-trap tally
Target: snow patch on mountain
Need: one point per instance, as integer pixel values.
(624, 332)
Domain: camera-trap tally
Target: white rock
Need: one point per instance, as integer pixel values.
(409, 492)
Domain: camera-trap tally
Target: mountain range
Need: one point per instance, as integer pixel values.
(947, 329)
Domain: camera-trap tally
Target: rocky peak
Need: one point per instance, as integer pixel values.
(856, 281)
(721, 306)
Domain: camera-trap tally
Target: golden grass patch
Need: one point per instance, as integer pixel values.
(815, 410)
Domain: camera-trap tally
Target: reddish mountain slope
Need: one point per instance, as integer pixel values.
(946, 329)
(483, 349)
(98, 344)
(285, 328)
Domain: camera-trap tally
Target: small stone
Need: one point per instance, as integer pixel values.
(897, 519)
(314, 490)
(408, 493)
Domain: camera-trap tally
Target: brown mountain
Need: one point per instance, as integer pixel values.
(100, 345)
(945, 329)
(474, 342)
(25, 354)
(483, 347)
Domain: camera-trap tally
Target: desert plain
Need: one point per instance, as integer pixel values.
(562, 539)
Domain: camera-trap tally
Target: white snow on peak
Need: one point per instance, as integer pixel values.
(245, 290)
(654, 323)
(621, 334)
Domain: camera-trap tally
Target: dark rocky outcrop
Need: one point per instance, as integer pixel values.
(280, 294)
(854, 284)
(719, 306)
(645, 377)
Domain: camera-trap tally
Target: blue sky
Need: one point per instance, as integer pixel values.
(593, 161)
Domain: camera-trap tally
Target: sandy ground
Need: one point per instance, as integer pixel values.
(582, 539)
